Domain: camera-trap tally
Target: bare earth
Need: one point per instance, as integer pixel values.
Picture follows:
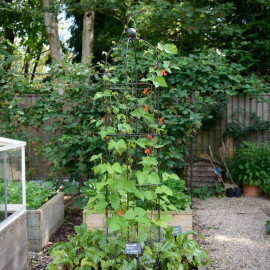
(234, 232)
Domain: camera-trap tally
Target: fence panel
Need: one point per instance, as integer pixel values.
(239, 106)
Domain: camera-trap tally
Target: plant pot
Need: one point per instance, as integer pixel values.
(229, 192)
(250, 191)
(237, 192)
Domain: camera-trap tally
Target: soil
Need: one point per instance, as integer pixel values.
(39, 260)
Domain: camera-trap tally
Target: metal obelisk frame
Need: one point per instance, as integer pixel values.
(131, 86)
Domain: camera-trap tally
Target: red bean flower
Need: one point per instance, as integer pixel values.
(150, 137)
(146, 108)
(103, 119)
(147, 151)
(119, 212)
(145, 90)
(155, 67)
(160, 120)
(163, 72)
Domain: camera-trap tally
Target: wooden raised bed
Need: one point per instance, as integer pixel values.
(44, 222)
(183, 219)
(13, 242)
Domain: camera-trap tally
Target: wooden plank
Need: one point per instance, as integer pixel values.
(183, 219)
(45, 221)
(259, 113)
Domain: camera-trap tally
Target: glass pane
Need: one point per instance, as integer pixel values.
(10, 173)
(2, 188)
(14, 182)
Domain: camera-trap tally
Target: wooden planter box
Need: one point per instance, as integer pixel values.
(183, 219)
(44, 222)
(13, 242)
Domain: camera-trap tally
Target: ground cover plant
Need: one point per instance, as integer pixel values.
(205, 192)
(36, 193)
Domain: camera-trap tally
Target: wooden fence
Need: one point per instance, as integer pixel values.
(240, 107)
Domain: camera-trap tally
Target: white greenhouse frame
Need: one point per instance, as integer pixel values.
(15, 209)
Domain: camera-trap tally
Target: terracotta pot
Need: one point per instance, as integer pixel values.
(251, 191)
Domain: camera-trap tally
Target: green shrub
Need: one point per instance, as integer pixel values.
(251, 165)
(180, 199)
(267, 226)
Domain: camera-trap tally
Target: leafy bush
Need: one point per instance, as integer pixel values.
(66, 99)
(180, 199)
(94, 250)
(36, 193)
(205, 192)
(251, 165)
(267, 226)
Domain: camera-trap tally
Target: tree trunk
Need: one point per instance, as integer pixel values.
(51, 26)
(26, 62)
(35, 65)
(88, 36)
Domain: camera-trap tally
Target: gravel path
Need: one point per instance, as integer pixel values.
(234, 232)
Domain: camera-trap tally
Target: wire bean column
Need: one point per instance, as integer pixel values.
(129, 93)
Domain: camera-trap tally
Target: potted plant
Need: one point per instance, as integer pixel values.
(251, 168)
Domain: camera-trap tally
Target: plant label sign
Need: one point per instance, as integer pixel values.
(176, 230)
(133, 248)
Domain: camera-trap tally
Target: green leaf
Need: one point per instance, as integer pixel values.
(129, 214)
(101, 206)
(112, 144)
(115, 202)
(138, 113)
(267, 226)
(139, 212)
(147, 251)
(150, 195)
(153, 178)
(142, 177)
(98, 95)
(114, 223)
(170, 48)
(94, 157)
(52, 267)
(158, 146)
(160, 81)
(164, 189)
(100, 185)
(117, 167)
(106, 93)
(86, 262)
(141, 143)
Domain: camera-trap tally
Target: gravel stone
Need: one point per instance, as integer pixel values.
(234, 232)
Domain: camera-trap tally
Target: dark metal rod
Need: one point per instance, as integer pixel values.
(191, 153)
(5, 183)
(132, 134)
